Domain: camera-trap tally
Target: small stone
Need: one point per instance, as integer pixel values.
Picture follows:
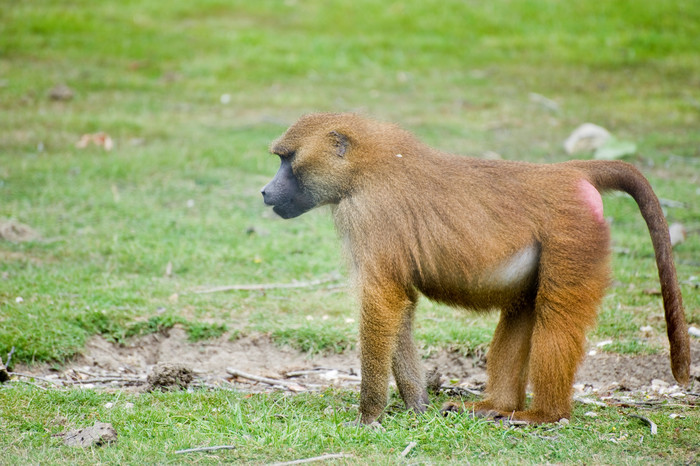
(99, 434)
(586, 137)
(253, 230)
(100, 139)
(433, 380)
(330, 375)
(659, 386)
(491, 155)
(478, 379)
(61, 92)
(376, 426)
(545, 102)
(677, 233)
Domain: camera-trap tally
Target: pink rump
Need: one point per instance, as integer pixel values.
(592, 198)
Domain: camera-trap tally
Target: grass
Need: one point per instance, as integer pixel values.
(282, 427)
(128, 235)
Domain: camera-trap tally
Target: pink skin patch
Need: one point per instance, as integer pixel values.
(592, 198)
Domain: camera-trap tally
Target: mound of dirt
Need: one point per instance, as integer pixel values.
(16, 232)
(165, 376)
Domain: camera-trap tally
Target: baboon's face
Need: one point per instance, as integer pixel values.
(285, 193)
(313, 171)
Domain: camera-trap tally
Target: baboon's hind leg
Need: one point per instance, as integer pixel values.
(572, 281)
(507, 365)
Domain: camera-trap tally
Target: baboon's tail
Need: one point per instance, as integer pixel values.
(622, 176)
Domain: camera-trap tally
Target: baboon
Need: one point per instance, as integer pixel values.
(528, 239)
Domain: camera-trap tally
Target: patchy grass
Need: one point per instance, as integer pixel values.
(193, 92)
(314, 339)
(633, 346)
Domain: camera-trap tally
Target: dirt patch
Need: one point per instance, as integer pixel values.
(16, 232)
(626, 372)
(258, 355)
(208, 359)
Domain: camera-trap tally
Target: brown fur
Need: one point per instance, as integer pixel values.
(413, 219)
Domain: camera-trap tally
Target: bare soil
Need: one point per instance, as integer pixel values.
(209, 360)
(16, 232)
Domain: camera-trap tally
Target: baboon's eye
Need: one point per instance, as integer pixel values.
(283, 152)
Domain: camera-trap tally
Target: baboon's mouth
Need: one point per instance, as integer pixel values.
(287, 210)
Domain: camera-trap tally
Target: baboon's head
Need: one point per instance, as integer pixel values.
(315, 166)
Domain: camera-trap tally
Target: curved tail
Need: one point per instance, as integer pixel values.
(622, 176)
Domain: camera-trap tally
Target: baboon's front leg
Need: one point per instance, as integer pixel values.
(382, 310)
(406, 365)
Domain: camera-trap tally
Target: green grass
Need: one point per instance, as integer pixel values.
(127, 236)
(314, 339)
(279, 427)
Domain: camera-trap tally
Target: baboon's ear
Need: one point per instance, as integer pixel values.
(340, 142)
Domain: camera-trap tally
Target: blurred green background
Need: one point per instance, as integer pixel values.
(191, 94)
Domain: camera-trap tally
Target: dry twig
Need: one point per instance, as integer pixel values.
(408, 449)
(459, 391)
(32, 384)
(9, 357)
(267, 286)
(315, 458)
(274, 382)
(218, 447)
(306, 372)
(29, 376)
(648, 421)
(128, 380)
(589, 401)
